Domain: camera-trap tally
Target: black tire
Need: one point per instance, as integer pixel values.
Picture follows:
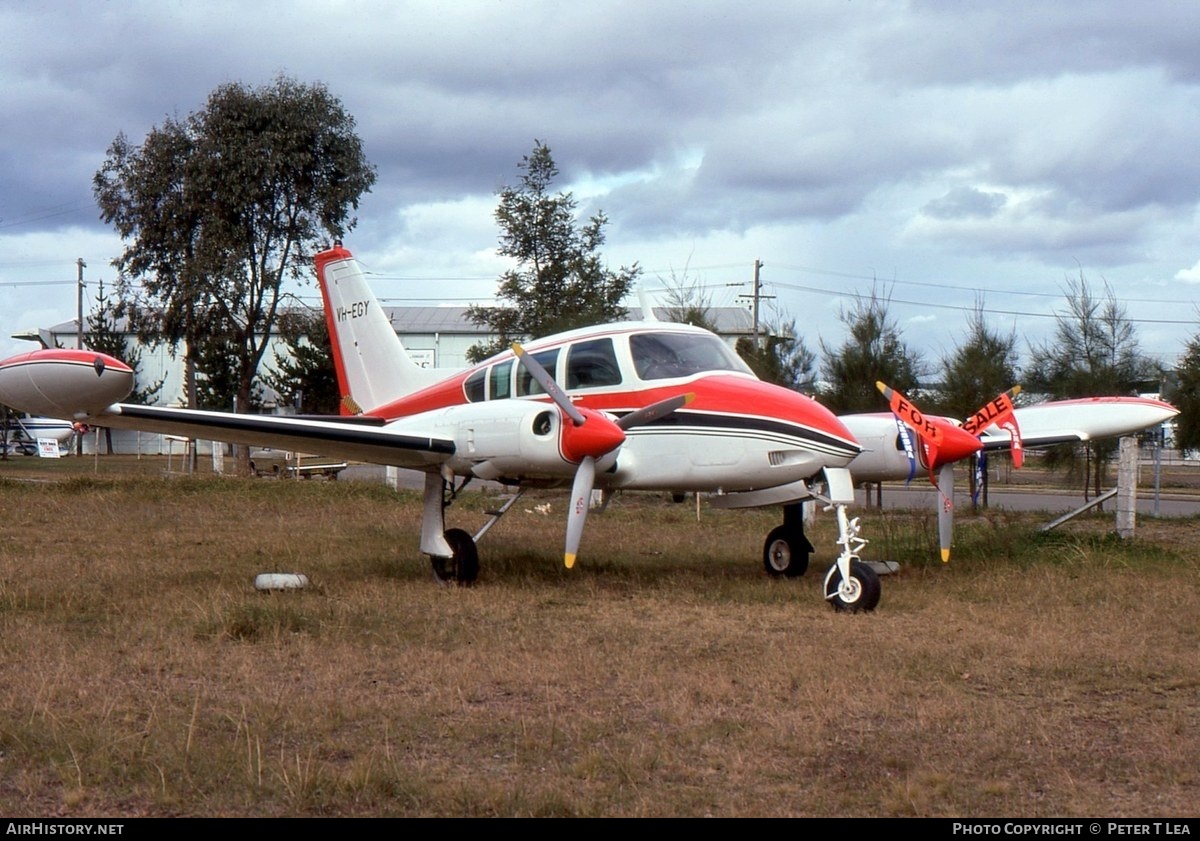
(785, 552)
(463, 567)
(862, 595)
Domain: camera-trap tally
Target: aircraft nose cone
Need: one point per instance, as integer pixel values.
(956, 444)
(598, 435)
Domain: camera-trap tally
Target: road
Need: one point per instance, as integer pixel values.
(923, 495)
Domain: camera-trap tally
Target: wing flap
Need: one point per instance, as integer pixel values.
(993, 441)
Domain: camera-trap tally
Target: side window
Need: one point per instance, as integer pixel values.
(526, 384)
(591, 364)
(500, 381)
(473, 387)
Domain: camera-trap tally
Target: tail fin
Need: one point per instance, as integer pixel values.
(372, 366)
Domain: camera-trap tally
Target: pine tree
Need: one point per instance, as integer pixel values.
(560, 281)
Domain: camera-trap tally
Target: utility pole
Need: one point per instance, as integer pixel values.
(755, 297)
(80, 265)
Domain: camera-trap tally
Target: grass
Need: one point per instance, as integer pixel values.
(142, 674)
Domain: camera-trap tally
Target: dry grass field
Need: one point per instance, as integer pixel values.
(141, 674)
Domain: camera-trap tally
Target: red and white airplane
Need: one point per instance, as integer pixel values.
(651, 406)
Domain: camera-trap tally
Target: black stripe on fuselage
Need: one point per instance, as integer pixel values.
(748, 426)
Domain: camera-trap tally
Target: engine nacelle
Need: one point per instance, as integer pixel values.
(514, 439)
(884, 455)
(64, 383)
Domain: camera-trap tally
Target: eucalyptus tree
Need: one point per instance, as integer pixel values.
(220, 209)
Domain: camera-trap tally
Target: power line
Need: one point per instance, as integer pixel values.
(37, 283)
(960, 308)
(47, 213)
(958, 287)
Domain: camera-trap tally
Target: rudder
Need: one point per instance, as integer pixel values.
(372, 365)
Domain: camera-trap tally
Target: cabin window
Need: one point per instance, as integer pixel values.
(592, 364)
(500, 381)
(526, 384)
(658, 356)
(473, 387)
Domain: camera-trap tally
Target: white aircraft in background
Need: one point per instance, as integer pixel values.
(25, 431)
(627, 406)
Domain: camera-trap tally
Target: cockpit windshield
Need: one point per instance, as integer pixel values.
(659, 356)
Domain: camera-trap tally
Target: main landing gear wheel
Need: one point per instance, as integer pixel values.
(859, 594)
(786, 552)
(463, 567)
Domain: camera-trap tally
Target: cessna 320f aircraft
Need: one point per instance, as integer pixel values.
(628, 406)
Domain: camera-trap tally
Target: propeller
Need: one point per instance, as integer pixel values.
(944, 443)
(655, 410)
(589, 436)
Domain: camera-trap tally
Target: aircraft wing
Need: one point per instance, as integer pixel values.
(348, 438)
(1086, 419)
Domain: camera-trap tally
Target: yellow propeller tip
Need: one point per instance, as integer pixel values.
(945, 556)
(569, 560)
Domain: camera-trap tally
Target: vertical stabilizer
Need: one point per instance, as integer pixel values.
(372, 366)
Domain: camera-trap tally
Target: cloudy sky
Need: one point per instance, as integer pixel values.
(942, 152)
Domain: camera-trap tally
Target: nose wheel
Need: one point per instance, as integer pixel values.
(851, 585)
(858, 592)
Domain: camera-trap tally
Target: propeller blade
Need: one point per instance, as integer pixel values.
(995, 412)
(543, 378)
(581, 494)
(1018, 451)
(999, 412)
(928, 431)
(945, 485)
(655, 410)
